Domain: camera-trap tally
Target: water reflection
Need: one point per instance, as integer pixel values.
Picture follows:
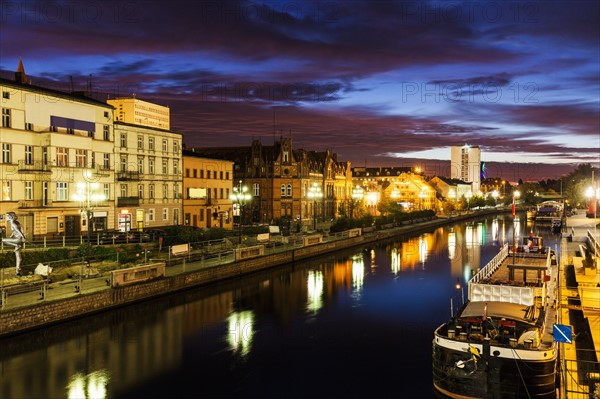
(314, 284)
(91, 386)
(241, 331)
(200, 335)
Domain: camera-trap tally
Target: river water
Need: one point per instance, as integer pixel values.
(357, 324)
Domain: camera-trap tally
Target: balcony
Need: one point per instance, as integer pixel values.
(128, 176)
(27, 204)
(128, 201)
(35, 167)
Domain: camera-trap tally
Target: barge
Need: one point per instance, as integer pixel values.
(499, 344)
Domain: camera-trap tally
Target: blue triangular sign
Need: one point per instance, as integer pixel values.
(562, 333)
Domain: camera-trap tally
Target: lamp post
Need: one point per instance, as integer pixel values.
(240, 196)
(314, 192)
(516, 195)
(88, 196)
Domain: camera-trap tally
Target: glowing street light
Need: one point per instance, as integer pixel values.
(240, 196)
(314, 193)
(88, 195)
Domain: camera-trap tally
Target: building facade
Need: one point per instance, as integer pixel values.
(403, 185)
(207, 189)
(294, 188)
(142, 113)
(55, 145)
(465, 165)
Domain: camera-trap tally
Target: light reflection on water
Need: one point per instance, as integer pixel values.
(373, 309)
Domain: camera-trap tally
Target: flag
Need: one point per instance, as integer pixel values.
(531, 233)
(513, 209)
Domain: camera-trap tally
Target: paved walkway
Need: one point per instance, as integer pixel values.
(588, 291)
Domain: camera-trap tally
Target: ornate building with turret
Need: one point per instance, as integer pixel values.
(292, 187)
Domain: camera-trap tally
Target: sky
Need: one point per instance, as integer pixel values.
(378, 82)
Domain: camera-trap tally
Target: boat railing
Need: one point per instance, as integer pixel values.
(491, 267)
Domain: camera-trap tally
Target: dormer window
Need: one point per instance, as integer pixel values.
(286, 156)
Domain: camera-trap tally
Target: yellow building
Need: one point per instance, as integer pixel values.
(52, 142)
(404, 186)
(149, 179)
(207, 188)
(142, 113)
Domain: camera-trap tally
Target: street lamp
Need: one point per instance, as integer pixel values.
(314, 192)
(240, 196)
(516, 194)
(88, 196)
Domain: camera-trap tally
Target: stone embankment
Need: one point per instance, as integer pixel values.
(25, 314)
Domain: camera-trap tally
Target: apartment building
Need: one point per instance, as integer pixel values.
(207, 189)
(57, 159)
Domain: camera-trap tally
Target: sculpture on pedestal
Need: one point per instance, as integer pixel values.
(17, 238)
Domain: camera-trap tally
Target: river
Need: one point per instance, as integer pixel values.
(357, 324)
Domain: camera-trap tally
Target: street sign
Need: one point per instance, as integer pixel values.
(562, 333)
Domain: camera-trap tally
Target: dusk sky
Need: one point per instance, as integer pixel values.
(380, 83)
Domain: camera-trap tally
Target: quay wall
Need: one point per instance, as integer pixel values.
(22, 319)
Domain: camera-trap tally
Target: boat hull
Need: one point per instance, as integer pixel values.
(492, 377)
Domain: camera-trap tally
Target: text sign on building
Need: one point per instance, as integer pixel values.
(562, 333)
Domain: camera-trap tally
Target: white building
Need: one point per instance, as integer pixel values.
(465, 165)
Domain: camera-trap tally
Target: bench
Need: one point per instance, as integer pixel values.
(22, 288)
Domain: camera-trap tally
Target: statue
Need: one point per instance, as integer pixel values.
(17, 238)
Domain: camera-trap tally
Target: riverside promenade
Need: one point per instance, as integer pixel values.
(580, 308)
(54, 302)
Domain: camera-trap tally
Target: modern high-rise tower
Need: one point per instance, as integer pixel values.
(465, 164)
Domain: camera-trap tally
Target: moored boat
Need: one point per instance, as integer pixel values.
(499, 344)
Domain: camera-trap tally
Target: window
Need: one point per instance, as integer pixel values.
(165, 190)
(6, 95)
(106, 161)
(123, 140)
(187, 172)
(6, 190)
(123, 189)
(165, 214)
(62, 156)
(28, 155)
(124, 163)
(140, 191)
(208, 174)
(283, 190)
(45, 156)
(221, 193)
(151, 166)
(226, 175)
(176, 193)
(151, 143)
(227, 193)
(165, 146)
(70, 130)
(215, 193)
(175, 167)
(93, 160)
(140, 142)
(80, 158)
(165, 164)
(256, 189)
(289, 190)
(62, 191)
(221, 175)
(175, 216)
(286, 156)
(151, 191)
(151, 215)
(140, 165)
(106, 190)
(195, 173)
(106, 133)
(29, 126)
(175, 146)
(6, 147)
(5, 117)
(29, 190)
(202, 173)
